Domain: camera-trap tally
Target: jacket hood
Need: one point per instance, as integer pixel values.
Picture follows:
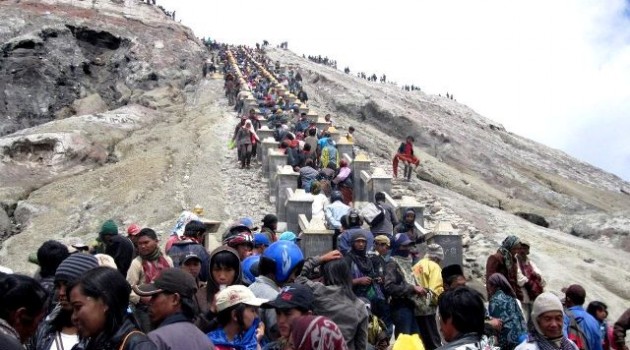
(213, 287)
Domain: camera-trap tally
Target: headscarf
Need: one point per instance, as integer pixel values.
(508, 243)
(316, 333)
(359, 257)
(499, 282)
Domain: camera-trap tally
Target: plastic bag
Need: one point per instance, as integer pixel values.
(408, 342)
(231, 144)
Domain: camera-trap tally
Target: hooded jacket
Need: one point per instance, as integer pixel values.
(182, 248)
(213, 287)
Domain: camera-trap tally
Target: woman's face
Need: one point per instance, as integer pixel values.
(88, 314)
(249, 315)
(62, 297)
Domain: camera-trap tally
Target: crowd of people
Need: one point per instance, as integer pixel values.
(379, 280)
(259, 291)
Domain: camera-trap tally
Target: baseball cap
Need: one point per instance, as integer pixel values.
(261, 239)
(289, 236)
(237, 294)
(190, 256)
(402, 239)
(171, 280)
(133, 229)
(382, 239)
(293, 295)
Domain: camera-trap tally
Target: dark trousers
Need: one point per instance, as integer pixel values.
(429, 332)
(403, 318)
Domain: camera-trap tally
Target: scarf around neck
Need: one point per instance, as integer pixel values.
(153, 264)
(544, 343)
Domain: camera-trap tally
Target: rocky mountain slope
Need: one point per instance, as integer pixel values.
(475, 156)
(137, 136)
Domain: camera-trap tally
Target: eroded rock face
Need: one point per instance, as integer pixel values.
(58, 60)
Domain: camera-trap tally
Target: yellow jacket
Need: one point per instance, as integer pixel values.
(428, 274)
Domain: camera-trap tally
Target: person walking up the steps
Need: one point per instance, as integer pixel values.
(405, 154)
(245, 137)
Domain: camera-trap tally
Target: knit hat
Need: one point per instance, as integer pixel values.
(435, 251)
(74, 266)
(109, 228)
(545, 302)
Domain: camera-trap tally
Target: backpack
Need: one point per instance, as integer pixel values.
(373, 214)
(575, 332)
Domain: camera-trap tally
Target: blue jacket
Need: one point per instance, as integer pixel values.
(588, 324)
(243, 341)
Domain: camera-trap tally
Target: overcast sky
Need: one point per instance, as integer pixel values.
(557, 72)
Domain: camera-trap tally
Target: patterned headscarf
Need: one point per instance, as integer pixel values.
(316, 333)
(508, 243)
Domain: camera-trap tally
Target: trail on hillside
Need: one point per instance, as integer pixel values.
(247, 195)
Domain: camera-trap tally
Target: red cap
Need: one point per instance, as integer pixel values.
(133, 229)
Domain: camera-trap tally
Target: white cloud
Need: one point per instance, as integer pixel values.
(547, 70)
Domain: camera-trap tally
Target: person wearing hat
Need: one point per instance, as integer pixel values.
(58, 327)
(239, 325)
(351, 226)
(132, 232)
(289, 236)
(401, 286)
(172, 309)
(504, 262)
(547, 317)
(261, 242)
(428, 274)
(192, 242)
(118, 247)
(529, 279)
(191, 263)
(145, 268)
(579, 325)
(240, 238)
(453, 276)
(269, 227)
(294, 300)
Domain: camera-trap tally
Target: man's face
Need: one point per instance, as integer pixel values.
(359, 245)
(193, 267)
(107, 239)
(410, 217)
(381, 248)
(146, 245)
(244, 251)
(447, 329)
(285, 318)
(550, 324)
(162, 305)
(459, 281)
